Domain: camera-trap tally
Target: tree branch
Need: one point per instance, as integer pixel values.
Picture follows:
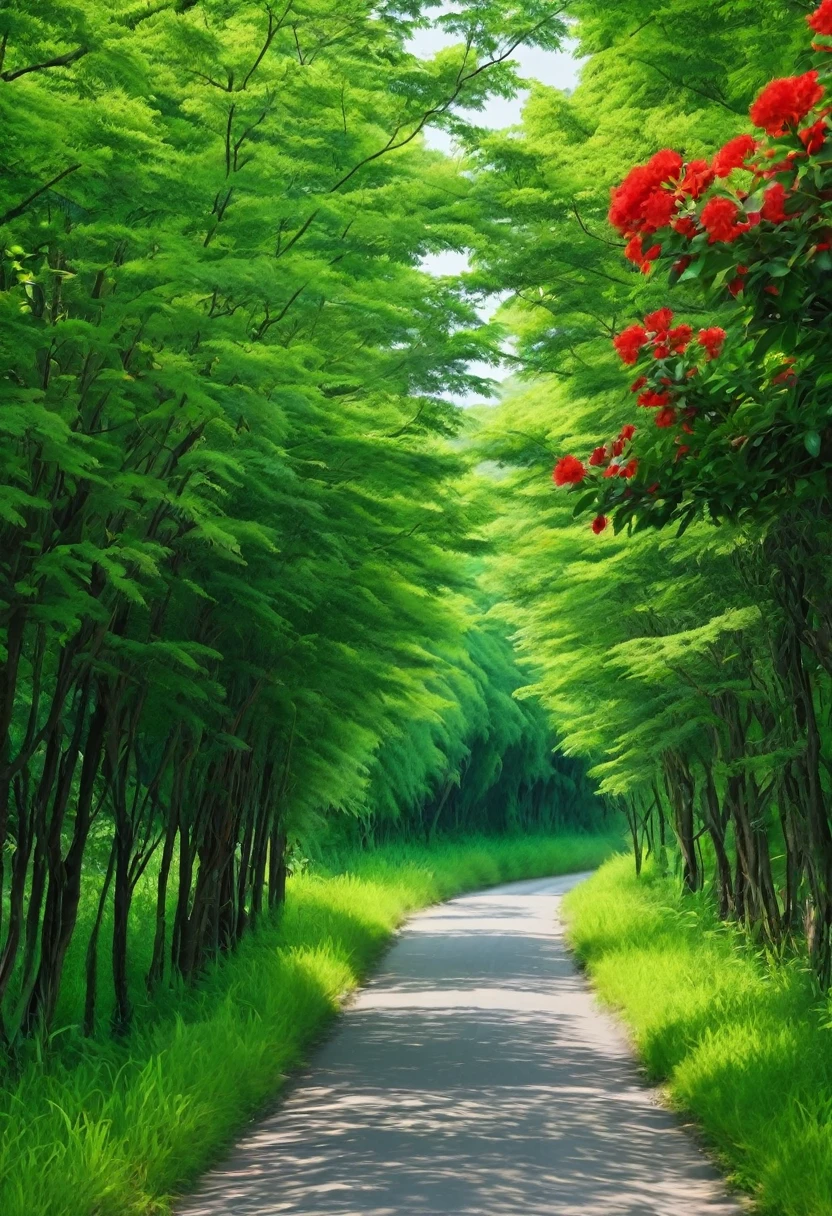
(461, 81)
(692, 88)
(21, 207)
(59, 61)
(62, 61)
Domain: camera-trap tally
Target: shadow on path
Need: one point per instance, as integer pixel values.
(473, 1075)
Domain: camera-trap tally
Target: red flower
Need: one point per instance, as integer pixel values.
(666, 417)
(630, 469)
(821, 20)
(712, 340)
(721, 220)
(659, 322)
(638, 385)
(681, 266)
(629, 342)
(599, 523)
(813, 138)
(772, 290)
(680, 338)
(773, 204)
(661, 351)
(734, 155)
(682, 450)
(654, 401)
(611, 471)
(658, 210)
(627, 432)
(785, 103)
(698, 177)
(635, 252)
(789, 376)
(598, 456)
(569, 471)
(686, 226)
(636, 194)
(618, 447)
(650, 257)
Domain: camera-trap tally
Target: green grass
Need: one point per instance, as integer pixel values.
(743, 1044)
(104, 1129)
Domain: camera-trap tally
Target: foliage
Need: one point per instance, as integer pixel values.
(703, 698)
(231, 515)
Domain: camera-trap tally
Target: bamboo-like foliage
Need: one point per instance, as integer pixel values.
(228, 515)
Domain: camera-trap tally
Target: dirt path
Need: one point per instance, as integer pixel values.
(474, 1075)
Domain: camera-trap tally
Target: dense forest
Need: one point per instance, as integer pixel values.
(241, 540)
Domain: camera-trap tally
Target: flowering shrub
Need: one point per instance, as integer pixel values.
(741, 418)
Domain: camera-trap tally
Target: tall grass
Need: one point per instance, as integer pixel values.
(743, 1044)
(96, 1128)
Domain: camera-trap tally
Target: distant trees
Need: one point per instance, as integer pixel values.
(229, 513)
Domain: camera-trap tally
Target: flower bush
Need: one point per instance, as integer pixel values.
(741, 411)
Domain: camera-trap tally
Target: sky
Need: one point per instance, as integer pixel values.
(559, 69)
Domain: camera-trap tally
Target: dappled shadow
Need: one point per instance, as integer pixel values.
(473, 1075)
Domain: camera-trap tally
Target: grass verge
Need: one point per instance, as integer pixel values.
(742, 1043)
(114, 1129)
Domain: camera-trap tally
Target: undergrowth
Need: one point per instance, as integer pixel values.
(103, 1128)
(742, 1042)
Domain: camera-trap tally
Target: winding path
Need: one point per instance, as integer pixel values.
(473, 1075)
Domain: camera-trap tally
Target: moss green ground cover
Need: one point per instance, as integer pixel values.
(115, 1129)
(744, 1046)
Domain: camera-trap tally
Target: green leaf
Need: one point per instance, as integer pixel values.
(812, 443)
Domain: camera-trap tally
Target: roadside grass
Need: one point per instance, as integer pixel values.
(743, 1043)
(103, 1128)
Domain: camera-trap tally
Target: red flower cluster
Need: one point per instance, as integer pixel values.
(652, 400)
(774, 201)
(712, 340)
(569, 471)
(734, 155)
(664, 340)
(784, 104)
(721, 220)
(629, 343)
(642, 203)
(699, 177)
(821, 20)
(677, 207)
(813, 138)
(643, 258)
